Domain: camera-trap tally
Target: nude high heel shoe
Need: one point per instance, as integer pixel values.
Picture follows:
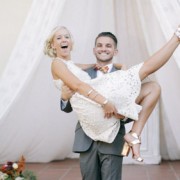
(129, 145)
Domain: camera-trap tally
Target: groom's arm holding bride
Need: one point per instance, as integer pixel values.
(66, 94)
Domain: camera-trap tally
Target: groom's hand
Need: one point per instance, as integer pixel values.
(119, 116)
(66, 93)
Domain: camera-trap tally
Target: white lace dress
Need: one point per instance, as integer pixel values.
(120, 87)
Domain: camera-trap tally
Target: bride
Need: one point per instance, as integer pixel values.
(114, 93)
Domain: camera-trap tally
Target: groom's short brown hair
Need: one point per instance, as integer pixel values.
(107, 34)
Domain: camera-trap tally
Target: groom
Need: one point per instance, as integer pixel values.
(100, 160)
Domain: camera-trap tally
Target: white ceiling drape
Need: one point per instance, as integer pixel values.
(31, 122)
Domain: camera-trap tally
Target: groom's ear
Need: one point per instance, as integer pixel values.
(94, 51)
(115, 52)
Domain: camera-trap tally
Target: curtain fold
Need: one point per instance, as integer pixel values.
(25, 56)
(157, 30)
(29, 108)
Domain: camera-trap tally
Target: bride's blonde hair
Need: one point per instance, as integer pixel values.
(48, 50)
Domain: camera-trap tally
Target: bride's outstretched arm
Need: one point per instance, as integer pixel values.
(60, 71)
(157, 60)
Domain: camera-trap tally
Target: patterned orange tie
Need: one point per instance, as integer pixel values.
(104, 69)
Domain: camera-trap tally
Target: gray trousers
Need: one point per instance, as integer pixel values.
(97, 166)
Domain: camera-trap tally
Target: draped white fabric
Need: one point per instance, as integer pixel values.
(157, 30)
(31, 122)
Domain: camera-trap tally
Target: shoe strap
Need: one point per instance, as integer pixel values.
(139, 159)
(137, 140)
(134, 135)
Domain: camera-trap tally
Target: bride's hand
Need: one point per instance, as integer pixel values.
(109, 110)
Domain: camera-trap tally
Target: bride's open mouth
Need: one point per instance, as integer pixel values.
(64, 47)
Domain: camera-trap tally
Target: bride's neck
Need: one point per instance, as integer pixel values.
(64, 58)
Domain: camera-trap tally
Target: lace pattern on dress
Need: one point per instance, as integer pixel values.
(120, 87)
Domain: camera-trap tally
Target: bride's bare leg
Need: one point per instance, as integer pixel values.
(148, 98)
(149, 95)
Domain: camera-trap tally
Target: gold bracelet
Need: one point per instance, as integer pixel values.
(95, 95)
(90, 91)
(104, 103)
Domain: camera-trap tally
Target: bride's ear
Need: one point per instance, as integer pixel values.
(52, 45)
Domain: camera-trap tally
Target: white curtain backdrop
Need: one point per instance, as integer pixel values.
(31, 122)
